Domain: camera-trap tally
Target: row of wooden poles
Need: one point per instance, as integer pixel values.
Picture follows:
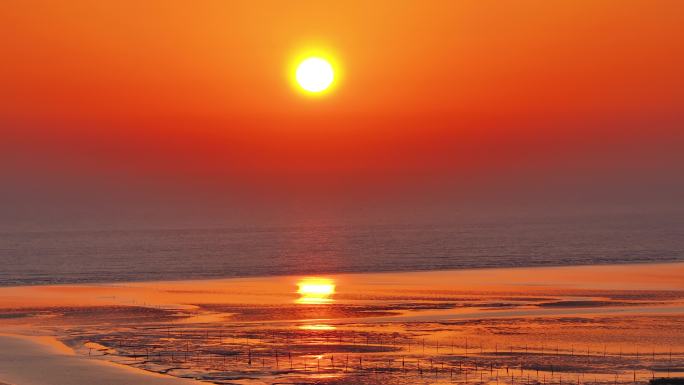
(424, 346)
(465, 371)
(279, 360)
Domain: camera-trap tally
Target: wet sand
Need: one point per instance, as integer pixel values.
(42, 361)
(594, 324)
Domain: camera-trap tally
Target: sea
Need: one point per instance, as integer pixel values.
(149, 254)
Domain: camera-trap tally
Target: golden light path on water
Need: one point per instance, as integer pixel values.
(315, 290)
(317, 327)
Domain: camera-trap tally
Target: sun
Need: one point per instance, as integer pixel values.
(315, 74)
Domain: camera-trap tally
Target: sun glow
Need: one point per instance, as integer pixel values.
(315, 290)
(315, 74)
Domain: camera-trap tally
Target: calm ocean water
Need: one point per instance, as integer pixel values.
(28, 258)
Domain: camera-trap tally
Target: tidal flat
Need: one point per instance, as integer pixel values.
(557, 325)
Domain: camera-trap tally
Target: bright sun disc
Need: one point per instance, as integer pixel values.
(315, 74)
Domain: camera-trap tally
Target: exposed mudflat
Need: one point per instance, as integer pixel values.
(545, 325)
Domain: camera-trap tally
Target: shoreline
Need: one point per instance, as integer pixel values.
(631, 277)
(339, 274)
(282, 290)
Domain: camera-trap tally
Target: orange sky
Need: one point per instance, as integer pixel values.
(198, 91)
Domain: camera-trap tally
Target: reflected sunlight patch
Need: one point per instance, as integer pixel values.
(317, 327)
(315, 290)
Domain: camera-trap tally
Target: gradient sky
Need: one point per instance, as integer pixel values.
(459, 96)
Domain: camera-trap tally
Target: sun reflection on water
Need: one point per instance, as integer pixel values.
(317, 327)
(315, 291)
